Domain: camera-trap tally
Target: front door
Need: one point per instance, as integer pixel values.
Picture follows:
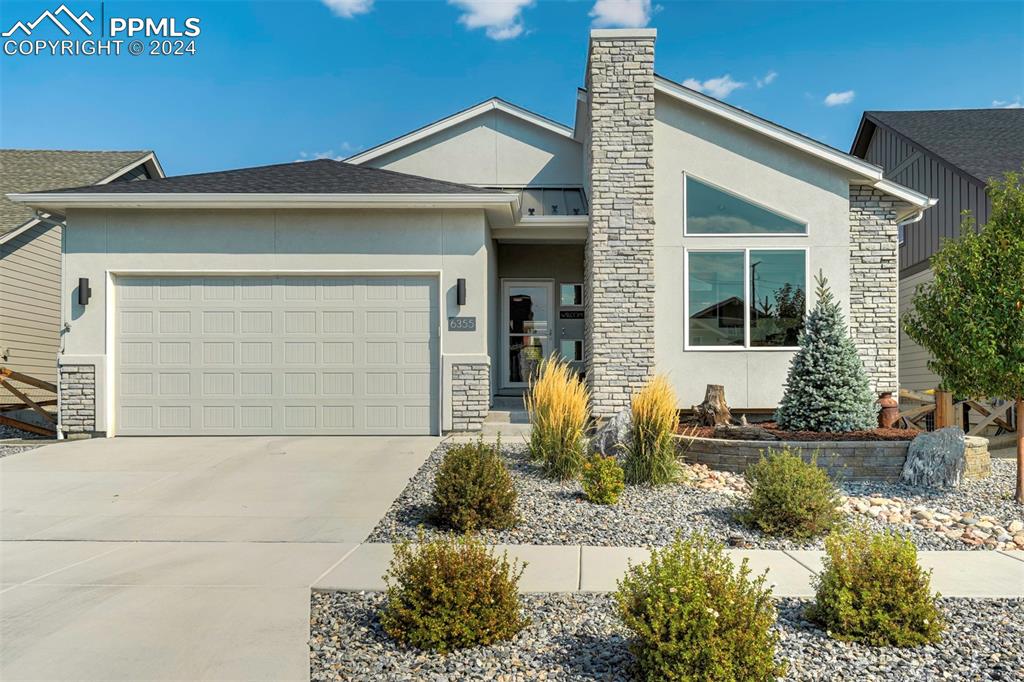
(528, 321)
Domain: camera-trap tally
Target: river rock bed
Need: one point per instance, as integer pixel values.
(579, 637)
(554, 513)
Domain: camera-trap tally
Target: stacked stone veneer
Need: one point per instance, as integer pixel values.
(78, 400)
(471, 395)
(874, 284)
(619, 263)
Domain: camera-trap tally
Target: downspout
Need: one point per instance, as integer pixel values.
(45, 219)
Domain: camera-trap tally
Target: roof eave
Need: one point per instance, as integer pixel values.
(466, 114)
(60, 202)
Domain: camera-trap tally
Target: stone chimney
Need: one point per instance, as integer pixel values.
(619, 155)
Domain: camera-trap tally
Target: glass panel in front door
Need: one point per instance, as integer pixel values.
(529, 330)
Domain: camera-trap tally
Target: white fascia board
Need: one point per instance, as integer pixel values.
(149, 159)
(32, 222)
(62, 201)
(778, 133)
(862, 169)
(455, 119)
(531, 221)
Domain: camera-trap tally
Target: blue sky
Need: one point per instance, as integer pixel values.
(278, 81)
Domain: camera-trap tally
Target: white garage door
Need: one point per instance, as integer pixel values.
(276, 355)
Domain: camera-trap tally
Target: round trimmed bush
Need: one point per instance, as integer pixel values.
(873, 591)
(603, 479)
(790, 497)
(451, 593)
(695, 616)
(473, 489)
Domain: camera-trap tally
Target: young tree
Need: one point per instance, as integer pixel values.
(826, 388)
(971, 316)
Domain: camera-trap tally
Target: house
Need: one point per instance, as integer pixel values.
(398, 292)
(30, 246)
(950, 155)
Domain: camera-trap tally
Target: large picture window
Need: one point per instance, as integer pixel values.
(745, 298)
(714, 211)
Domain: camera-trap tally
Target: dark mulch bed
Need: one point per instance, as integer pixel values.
(772, 427)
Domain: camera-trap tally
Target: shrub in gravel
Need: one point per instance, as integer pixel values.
(695, 616)
(873, 591)
(558, 404)
(451, 593)
(651, 450)
(473, 489)
(603, 479)
(790, 497)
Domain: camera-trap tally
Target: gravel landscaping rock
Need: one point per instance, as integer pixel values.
(578, 637)
(554, 513)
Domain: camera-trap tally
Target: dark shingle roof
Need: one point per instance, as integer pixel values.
(984, 143)
(34, 170)
(323, 176)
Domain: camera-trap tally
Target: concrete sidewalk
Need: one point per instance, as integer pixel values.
(576, 568)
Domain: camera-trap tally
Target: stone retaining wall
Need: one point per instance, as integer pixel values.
(847, 460)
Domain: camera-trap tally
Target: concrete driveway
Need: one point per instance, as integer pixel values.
(181, 558)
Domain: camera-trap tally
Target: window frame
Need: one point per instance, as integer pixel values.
(741, 197)
(745, 250)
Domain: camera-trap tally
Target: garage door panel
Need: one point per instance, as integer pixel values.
(289, 355)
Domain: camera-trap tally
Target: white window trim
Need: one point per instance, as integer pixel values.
(745, 250)
(741, 197)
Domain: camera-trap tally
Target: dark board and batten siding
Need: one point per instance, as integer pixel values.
(911, 166)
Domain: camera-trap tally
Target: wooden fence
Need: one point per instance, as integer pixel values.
(976, 416)
(7, 379)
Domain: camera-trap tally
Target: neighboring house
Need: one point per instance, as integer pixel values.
(949, 155)
(30, 247)
(398, 292)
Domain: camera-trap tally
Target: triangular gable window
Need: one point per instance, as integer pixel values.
(710, 210)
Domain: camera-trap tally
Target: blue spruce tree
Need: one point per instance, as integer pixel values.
(826, 388)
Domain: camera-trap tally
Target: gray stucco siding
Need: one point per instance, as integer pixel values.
(448, 244)
(687, 140)
(492, 149)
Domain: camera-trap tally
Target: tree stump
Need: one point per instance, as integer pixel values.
(713, 411)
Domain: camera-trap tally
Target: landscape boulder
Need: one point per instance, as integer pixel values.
(611, 438)
(936, 459)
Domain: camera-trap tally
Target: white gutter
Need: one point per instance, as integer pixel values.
(64, 200)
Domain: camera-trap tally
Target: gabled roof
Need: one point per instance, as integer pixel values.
(983, 143)
(493, 104)
(859, 168)
(33, 170)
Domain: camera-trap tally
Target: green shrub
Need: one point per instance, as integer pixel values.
(473, 489)
(790, 497)
(451, 593)
(873, 591)
(694, 616)
(651, 450)
(559, 408)
(603, 479)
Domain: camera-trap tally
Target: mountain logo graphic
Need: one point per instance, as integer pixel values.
(78, 20)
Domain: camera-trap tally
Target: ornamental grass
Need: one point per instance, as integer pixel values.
(651, 450)
(559, 407)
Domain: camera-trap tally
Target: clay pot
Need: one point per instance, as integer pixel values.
(890, 412)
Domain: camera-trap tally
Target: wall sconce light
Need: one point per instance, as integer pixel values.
(84, 292)
(460, 291)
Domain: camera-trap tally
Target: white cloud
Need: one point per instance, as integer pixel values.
(343, 152)
(623, 13)
(835, 99)
(349, 8)
(501, 19)
(768, 79)
(1007, 104)
(716, 87)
